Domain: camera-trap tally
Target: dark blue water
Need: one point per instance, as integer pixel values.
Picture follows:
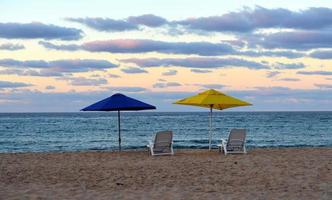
(43, 132)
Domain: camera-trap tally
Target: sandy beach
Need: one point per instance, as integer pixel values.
(286, 173)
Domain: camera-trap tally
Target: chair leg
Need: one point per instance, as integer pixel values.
(225, 150)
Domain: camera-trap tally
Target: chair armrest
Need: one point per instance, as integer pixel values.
(150, 144)
(223, 141)
(222, 145)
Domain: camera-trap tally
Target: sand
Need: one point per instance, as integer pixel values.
(286, 173)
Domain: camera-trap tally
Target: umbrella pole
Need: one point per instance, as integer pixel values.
(119, 130)
(210, 134)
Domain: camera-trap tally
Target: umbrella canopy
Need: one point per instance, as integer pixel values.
(118, 102)
(212, 99)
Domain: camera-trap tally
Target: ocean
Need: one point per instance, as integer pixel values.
(93, 131)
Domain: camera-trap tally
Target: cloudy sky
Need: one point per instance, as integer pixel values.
(63, 55)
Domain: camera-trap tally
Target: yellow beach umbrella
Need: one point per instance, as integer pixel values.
(212, 99)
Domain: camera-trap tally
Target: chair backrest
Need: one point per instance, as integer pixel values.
(163, 141)
(236, 138)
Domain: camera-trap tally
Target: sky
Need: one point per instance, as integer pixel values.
(60, 56)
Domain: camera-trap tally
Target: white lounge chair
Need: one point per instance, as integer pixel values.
(162, 144)
(235, 143)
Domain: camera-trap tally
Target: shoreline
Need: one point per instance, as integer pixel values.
(277, 173)
(128, 150)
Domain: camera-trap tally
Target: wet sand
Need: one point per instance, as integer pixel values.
(279, 173)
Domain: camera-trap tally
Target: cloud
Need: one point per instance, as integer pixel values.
(82, 81)
(324, 86)
(245, 20)
(202, 71)
(42, 72)
(31, 72)
(8, 84)
(126, 89)
(11, 71)
(170, 73)
(279, 98)
(95, 76)
(11, 47)
(38, 30)
(159, 85)
(212, 86)
(260, 53)
(50, 87)
(50, 101)
(145, 46)
(280, 65)
(248, 20)
(105, 24)
(66, 47)
(327, 73)
(113, 76)
(188, 48)
(118, 25)
(30, 63)
(274, 99)
(166, 84)
(298, 39)
(134, 70)
(148, 20)
(81, 65)
(237, 43)
(272, 89)
(272, 74)
(289, 79)
(173, 84)
(56, 67)
(196, 62)
(327, 54)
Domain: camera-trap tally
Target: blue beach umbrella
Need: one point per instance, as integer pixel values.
(118, 102)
